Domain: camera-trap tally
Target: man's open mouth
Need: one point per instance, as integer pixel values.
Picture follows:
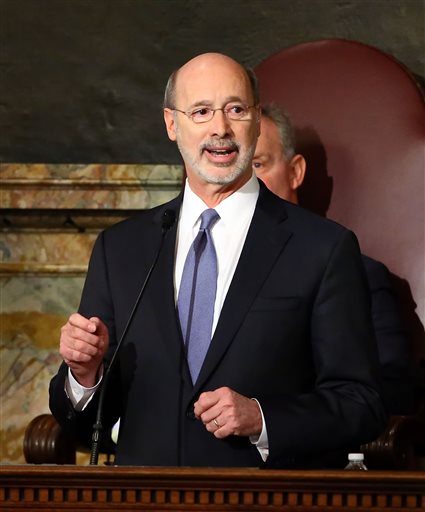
(221, 152)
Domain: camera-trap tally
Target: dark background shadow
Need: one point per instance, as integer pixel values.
(316, 191)
(82, 81)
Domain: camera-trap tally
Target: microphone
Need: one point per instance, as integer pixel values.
(168, 219)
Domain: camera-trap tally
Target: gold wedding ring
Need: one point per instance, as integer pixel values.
(216, 423)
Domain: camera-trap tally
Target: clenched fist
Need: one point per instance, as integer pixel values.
(83, 344)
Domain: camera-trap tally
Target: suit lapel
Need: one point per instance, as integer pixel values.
(265, 240)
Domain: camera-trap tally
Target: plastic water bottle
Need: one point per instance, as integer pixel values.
(356, 462)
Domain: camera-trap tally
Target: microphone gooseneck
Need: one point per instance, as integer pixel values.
(168, 219)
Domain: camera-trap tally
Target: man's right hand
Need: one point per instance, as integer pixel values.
(83, 344)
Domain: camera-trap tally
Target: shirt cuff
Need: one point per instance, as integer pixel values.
(79, 395)
(261, 441)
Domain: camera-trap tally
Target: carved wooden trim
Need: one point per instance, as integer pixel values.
(46, 442)
(398, 446)
(46, 488)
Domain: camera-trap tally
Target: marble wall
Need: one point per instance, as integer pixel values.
(51, 215)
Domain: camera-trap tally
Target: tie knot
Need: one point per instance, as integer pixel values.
(208, 218)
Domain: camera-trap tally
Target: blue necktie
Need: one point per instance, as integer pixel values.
(197, 294)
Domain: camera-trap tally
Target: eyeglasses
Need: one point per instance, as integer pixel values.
(233, 111)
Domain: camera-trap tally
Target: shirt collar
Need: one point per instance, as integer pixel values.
(234, 207)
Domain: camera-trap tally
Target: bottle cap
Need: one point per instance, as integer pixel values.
(356, 457)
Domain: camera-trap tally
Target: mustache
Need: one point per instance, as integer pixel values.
(220, 144)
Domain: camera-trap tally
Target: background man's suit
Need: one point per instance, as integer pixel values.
(396, 361)
(294, 332)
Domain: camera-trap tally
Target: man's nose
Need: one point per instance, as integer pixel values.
(220, 124)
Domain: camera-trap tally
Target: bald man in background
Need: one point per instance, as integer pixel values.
(282, 169)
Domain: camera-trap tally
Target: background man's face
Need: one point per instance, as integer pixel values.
(270, 163)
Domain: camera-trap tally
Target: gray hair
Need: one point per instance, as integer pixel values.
(284, 124)
(170, 89)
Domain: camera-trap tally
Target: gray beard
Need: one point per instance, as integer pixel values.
(242, 165)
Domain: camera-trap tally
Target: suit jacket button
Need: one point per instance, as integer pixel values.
(190, 414)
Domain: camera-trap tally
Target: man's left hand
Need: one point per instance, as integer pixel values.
(225, 412)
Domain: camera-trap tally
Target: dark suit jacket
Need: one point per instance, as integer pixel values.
(395, 357)
(295, 332)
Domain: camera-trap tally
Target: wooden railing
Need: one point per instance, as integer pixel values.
(400, 447)
(112, 488)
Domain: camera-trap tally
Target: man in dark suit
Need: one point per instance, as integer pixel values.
(289, 377)
(282, 169)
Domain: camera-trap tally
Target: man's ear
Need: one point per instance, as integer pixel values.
(298, 166)
(170, 123)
